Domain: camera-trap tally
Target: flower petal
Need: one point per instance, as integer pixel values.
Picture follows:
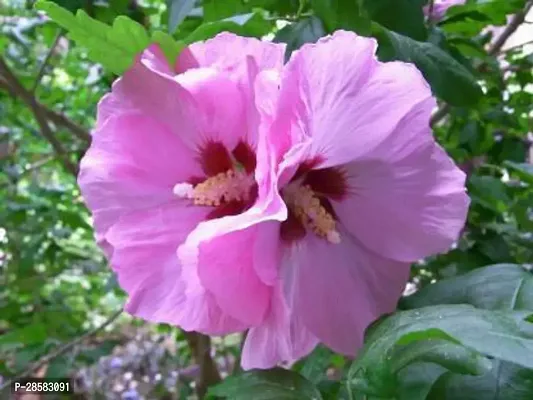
(226, 270)
(226, 256)
(337, 94)
(281, 338)
(341, 288)
(148, 268)
(409, 200)
(133, 163)
(148, 86)
(220, 53)
(220, 107)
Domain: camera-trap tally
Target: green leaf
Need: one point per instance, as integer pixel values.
(496, 287)
(505, 381)
(490, 192)
(315, 365)
(504, 336)
(215, 10)
(446, 353)
(401, 16)
(253, 25)
(522, 170)
(113, 46)
(30, 334)
(307, 30)
(273, 384)
(448, 78)
(342, 14)
(416, 381)
(178, 10)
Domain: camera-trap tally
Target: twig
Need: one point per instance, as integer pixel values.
(200, 346)
(55, 117)
(517, 46)
(61, 350)
(516, 21)
(59, 119)
(42, 68)
(494, 49)
(40, 117)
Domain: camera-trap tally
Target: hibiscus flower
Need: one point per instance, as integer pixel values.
(367, 191)
(172, 148)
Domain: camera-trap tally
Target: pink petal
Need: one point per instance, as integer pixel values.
(148, 86)
(281, 338)
(220, 53)
(337, 94)
(222, 257)
(133, 163)
(341, 288)
(408, 199)
(148, 268)
(226, 269)
(220, 113)
(199, 105)
(226, 256)
(254, 57)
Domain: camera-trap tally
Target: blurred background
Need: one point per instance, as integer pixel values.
(60, 303)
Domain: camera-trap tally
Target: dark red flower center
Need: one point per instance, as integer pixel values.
(228, 185)
(308, 197)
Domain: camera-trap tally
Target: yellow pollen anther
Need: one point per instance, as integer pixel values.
(221, 188)
(307, 208)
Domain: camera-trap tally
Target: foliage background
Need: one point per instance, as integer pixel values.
(464, 333)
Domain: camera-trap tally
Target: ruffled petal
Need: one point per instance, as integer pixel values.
(149, 270)
(149, 87)
(227, 272)
(200, 105)
(281, 338)
(133, 163)
(220, 53)
(226, 256)
(408, 199)
(222, 257)
(337, 94)
(220, 107)
(341, 288)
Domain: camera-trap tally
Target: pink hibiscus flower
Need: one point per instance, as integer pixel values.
(440, 7)
(367, 191)
(295, 197)
(172, 149)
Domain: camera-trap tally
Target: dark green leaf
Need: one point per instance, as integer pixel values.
(273, 384)
(448, 78)
(446, 353)
(401, 16)
(315, 365)
(307, 30)
(341, 14)
(505, 381)
(504, 336)
(496, 287)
